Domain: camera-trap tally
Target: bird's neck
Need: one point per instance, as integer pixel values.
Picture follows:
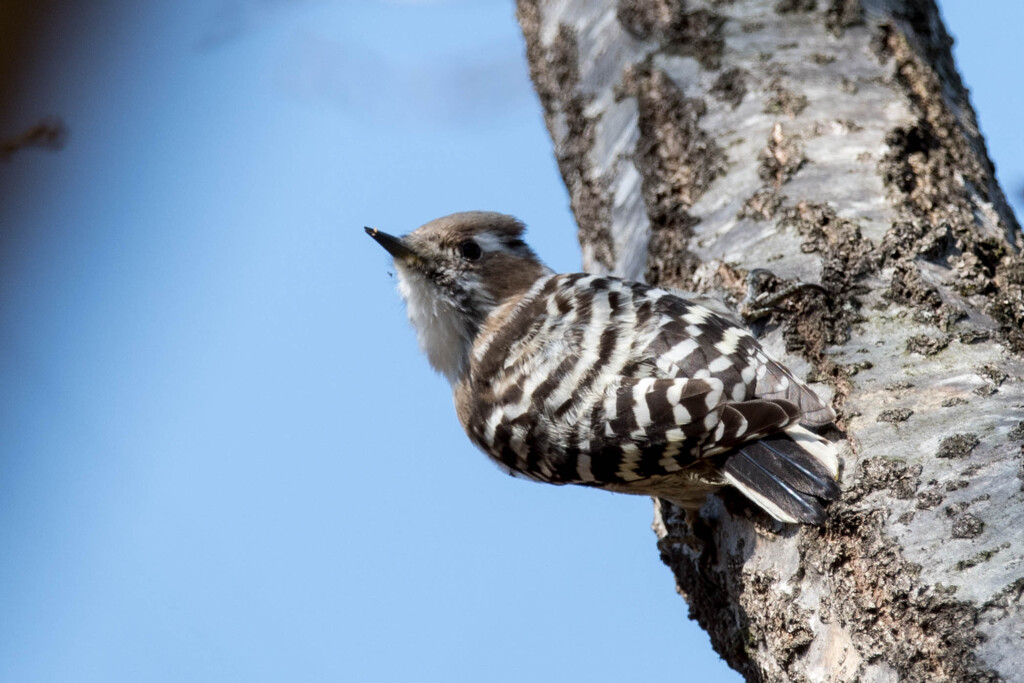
(447, 329)
(490, 336)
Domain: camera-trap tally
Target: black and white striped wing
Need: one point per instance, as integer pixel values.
(657, 427)
(664, 426)
(715, 392)
(694, 342)
(613, 384)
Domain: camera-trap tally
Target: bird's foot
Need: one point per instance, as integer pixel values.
(766, 291)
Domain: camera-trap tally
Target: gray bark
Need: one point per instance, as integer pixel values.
(828, 141)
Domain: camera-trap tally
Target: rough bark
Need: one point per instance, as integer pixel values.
(830, 141)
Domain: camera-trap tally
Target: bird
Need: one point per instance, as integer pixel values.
(598, 381)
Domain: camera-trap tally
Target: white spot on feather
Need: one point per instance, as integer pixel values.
(730, 340)
(714, 396)
(697, 315)
(681, 350)
(719, 364)
(492, 425)
(748, 373)
(641, 410)
(674, 396)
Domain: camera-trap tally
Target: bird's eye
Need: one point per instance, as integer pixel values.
(470, 250)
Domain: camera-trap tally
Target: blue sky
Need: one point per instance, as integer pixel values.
(221, 455)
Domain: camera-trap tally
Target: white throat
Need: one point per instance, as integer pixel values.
(443, 331)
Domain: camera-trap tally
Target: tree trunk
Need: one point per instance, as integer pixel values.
(829, 141)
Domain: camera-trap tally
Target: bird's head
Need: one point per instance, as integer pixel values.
(455, 270)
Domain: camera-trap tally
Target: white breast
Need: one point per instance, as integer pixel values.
(443, 332)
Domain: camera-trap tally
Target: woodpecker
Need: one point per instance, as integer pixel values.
(603, 382)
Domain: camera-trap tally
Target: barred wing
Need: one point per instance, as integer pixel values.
(653, 427)
(692, 341)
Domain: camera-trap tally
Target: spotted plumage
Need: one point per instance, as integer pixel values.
(597, 381)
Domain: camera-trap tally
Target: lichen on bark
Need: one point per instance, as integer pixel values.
(677, 160)
(937, 170)
(684, 31)
(555, 72)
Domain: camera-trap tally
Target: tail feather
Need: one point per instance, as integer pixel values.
(787, 462)
(822, 450)
(778, 382)
(788, 475)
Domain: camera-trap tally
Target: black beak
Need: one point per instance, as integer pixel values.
(394, 245)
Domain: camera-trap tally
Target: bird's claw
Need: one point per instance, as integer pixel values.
(760, 303)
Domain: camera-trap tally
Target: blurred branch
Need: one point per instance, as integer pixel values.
(49, 133)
